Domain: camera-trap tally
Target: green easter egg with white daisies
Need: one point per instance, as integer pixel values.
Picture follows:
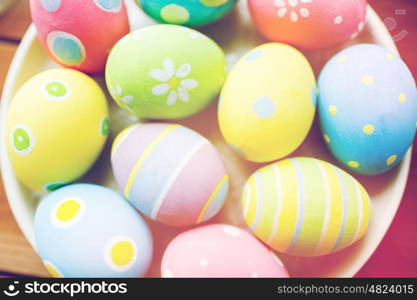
(165, 72)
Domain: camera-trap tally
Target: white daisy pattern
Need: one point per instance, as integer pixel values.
(173, 82)
(117, 93)
(294, 8)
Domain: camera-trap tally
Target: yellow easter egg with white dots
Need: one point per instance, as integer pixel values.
(267, 104)
(305, 207)
(57, 125)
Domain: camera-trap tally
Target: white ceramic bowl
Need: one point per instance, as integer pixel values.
(236, 35)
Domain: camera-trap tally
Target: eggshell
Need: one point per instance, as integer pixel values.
(219, 251)
(309, 24)
(79, 34)
(268, 102)
(85, 230)
(57, 124)
(368, 108)
(305, 207)
(171, 72)
(189, 13)
(170, 173)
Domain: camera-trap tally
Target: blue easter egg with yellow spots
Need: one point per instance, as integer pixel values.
(85, 230)
(368, 108)
(188, 13)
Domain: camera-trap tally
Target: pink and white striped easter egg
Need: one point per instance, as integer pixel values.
(170, 173)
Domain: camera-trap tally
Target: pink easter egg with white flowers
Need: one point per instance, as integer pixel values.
(309, 24)
(220, 250)
(79, 34)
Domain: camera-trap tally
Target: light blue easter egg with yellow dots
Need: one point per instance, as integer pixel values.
(85, 230)
(187, 13)
(368, 108)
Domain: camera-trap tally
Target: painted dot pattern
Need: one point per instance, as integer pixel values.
(332, 110)
(51, 5)
(264, 107)
(402, 98)
(391, 160)
(56, 91)
(84, 230)
(66, 48)
(232, 231)
(121, 253)
(22, 140)
(367, 80)
(353, 164)
(113, 6)
(104, 126)
(368, 129)
(67, 212)
(52, 186)
(338, 20)
(194, 13)
(175, 14)
(213, 3)
(203, 262)
(360, 125)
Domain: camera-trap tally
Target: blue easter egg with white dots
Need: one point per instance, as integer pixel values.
(368, 108)
(85, 230)
(187, 13)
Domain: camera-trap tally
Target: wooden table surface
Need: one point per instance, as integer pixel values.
(395, 257)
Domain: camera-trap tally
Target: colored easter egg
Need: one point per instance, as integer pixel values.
(85, 230)
(309, 24)
(305, 207)
(172, 72)
(219, 250)
(368, 108)
(188, 13)
(268, 102)
(79, 34)
(57, 124)
(170, 173)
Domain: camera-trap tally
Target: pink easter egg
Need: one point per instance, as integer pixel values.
(220, 251)
(79, 34)
(170, 173)
(309, 24)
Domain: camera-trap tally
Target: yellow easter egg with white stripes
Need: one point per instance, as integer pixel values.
(57, 125)
(268, 102)
(305, 207)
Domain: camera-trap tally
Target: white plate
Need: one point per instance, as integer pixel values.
(236, 35)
